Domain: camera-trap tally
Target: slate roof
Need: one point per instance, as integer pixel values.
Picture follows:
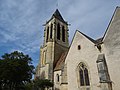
(92, 40)
(101, 40)
(57, 15)
(97, 41)
(60, 62)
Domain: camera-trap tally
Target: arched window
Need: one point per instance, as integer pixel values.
(103, 71)
(83, 75)
(51, 29)
(44, 58)
(47, 34)
(57, 77)
(58, 31)
(63, 33)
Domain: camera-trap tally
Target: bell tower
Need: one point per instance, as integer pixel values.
(56, 30)
(55, 43)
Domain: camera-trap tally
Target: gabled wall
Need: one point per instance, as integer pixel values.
(87, 54)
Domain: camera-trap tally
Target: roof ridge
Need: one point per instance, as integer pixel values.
(105, 33)
(89, 38)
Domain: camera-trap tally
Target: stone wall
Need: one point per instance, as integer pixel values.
(87, 54)
(111, 48)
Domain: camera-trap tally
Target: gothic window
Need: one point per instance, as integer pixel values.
(83, 75)
(103, 71)
(63, 33)
(51, 29)
(47, 33)
(58, 31)
(102, 68)
(57, 77)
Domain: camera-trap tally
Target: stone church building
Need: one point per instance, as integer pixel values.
(85, 64)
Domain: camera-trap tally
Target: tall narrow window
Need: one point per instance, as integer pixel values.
(103, 72)
(102, 69)
(83, 75)
(86, 77)
(58, 31)
(47, 34)
(51, 29)
(81, 78)
(44, 58)
(63, 33)
(57, 76)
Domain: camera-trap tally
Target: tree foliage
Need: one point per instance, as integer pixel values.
(29, 86)
(15, 69)
(42, 83)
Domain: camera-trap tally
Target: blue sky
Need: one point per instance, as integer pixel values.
(21, 21)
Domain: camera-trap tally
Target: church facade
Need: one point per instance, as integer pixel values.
(86, 64)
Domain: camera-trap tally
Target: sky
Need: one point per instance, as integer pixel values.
(21, 21)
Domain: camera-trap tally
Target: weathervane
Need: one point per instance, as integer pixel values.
(57, 4)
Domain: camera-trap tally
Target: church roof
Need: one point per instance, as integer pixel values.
(101, 40)
(97, 41)
(57, 15)
(60, 62)
(92, 40)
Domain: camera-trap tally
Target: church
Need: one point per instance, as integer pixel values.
(85, 64)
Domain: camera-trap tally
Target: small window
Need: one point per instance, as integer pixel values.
(79, 47)
(57, 76)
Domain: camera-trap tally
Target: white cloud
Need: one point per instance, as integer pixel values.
(89, 17)
(21, 20)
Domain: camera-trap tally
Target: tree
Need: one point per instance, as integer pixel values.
(42, 83)
(29, 86)
(15, 70)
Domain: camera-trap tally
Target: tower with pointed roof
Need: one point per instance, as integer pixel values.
(88, 64)
(55, 43)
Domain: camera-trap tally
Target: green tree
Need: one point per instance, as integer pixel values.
(15, 70)
(42, 83)
(29, 86)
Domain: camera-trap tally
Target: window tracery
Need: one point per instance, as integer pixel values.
(83, 75)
